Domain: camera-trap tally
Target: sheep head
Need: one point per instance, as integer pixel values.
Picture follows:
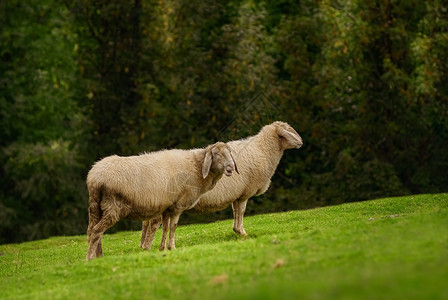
(288, 137)
(218, 158)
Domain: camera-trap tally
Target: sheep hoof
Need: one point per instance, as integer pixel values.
(145, 247)
(241, 232)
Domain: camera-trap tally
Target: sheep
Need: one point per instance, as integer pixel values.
(257, 156)
(145, 186)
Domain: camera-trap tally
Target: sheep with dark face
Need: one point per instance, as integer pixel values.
(145, 186)
(258, 157)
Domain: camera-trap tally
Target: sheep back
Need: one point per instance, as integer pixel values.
(148, 180)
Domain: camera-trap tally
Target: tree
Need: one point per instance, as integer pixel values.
(42, 190)
(429, 79)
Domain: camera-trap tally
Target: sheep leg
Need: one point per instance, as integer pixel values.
(239, 207)
(93, 220)
(148, 234)
(145, 227)
(95, 212)
(96, 235)
(165, 227)
(235, 206)
(99, 250)
(173, 226)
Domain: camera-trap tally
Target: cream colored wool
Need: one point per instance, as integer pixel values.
(145, 186)
(257, 158)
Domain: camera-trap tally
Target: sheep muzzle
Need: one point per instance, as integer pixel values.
(229, 170)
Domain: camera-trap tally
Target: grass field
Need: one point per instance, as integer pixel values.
(395, 248)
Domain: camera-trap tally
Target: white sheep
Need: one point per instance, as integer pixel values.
(145, 186)
(257, 156)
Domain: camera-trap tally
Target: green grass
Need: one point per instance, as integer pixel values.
(395, 248)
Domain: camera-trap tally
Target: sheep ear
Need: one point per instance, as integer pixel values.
(234, 163)
(207, 164)
(291, 137)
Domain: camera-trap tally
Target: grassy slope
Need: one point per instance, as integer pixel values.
(394, 248)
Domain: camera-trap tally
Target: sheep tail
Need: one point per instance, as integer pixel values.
(95, 213)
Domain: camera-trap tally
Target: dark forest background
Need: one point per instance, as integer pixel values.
(365, 83)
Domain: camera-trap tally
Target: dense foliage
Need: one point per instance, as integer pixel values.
(363, 82)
